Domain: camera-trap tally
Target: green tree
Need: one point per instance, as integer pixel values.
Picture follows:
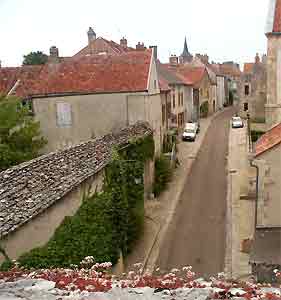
(35, 58)
(20, 138)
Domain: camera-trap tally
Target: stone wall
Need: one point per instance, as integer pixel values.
(273, 106)
(37, 195)
(269, 212)
(39, 230)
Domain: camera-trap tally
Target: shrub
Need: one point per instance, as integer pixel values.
(255, 135)
(204, 109)
(163, 174)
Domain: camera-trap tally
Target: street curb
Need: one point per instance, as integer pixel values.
(164, 227)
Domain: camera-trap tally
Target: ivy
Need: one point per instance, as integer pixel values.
(106, 223)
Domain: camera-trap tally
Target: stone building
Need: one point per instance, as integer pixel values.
(273, 34)
(76, 100)
(266, 250)
(37, 195)
(253, 94)
(180, 95)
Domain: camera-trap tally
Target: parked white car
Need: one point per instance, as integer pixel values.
(190, 131)
(237, 122)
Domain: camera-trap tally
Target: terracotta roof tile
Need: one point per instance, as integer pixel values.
(116, 48)
(269, 140)
(128, 72)
(248, 68)
(230, 70)
(277, 17)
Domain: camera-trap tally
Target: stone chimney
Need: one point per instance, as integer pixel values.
(91, 35)
(54, 54)
(173, 60)
(257, 59)
(204, 58)
(264, 59)
(140, 46)
(154, 49)
(124, 43)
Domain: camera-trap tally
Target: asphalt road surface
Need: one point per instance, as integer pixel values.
(196, 235)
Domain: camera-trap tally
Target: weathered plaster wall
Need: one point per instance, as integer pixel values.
(273, 106)
(39, 230)
(95, 115)
(220, 92)
(270, 187)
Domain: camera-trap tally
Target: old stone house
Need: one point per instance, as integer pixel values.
(273, 34)
(82, 98)
(253, 94)
(266, 250)
(268, 158)
(37, 195)
(180, 95)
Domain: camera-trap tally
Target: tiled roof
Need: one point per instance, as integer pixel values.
(269, 140)
(30, 188)
(192, 75)
(248, 68)
(168, 76)
(230, 70)
(128, 72)
(277, 17)
(116, 48)
(23, 75)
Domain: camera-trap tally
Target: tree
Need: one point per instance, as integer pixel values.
(35, 58)
(20, 138)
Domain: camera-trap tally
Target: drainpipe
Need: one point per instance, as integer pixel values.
(257, 191)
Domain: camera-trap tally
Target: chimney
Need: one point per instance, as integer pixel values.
(124, 43)
(154, 49)
(257, 59)
(140, 46)
(264, 59)
(54, 55)
(91, 35)
(0, 64)
(174, 60)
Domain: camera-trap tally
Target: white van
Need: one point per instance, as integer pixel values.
(190, 131)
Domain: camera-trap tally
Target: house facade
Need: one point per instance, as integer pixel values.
(253, 94)
(78, 100)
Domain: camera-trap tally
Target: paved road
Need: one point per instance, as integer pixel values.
(196, 235)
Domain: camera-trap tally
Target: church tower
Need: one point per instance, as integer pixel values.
(186, 57)
(273, 34)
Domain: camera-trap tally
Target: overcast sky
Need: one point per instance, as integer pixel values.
(226, 30)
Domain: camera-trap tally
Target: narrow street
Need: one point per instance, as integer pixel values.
(196, 235)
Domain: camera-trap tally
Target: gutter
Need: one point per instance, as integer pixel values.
(257, 190)
(81, 94)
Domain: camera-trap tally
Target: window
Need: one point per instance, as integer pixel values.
(247, 90)
(182, 98)
(246, 106)
(64, 115)
(155, 84)
(179, 98)
(174, 100)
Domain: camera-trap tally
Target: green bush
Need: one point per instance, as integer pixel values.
(204, 109)
(163, 174)
(255, 135)
(90, 232)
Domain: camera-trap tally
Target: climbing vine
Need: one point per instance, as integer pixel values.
(107, 222)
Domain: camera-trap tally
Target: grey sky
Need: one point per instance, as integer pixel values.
(226, 30)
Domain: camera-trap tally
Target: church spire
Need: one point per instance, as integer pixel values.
(185, 52)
